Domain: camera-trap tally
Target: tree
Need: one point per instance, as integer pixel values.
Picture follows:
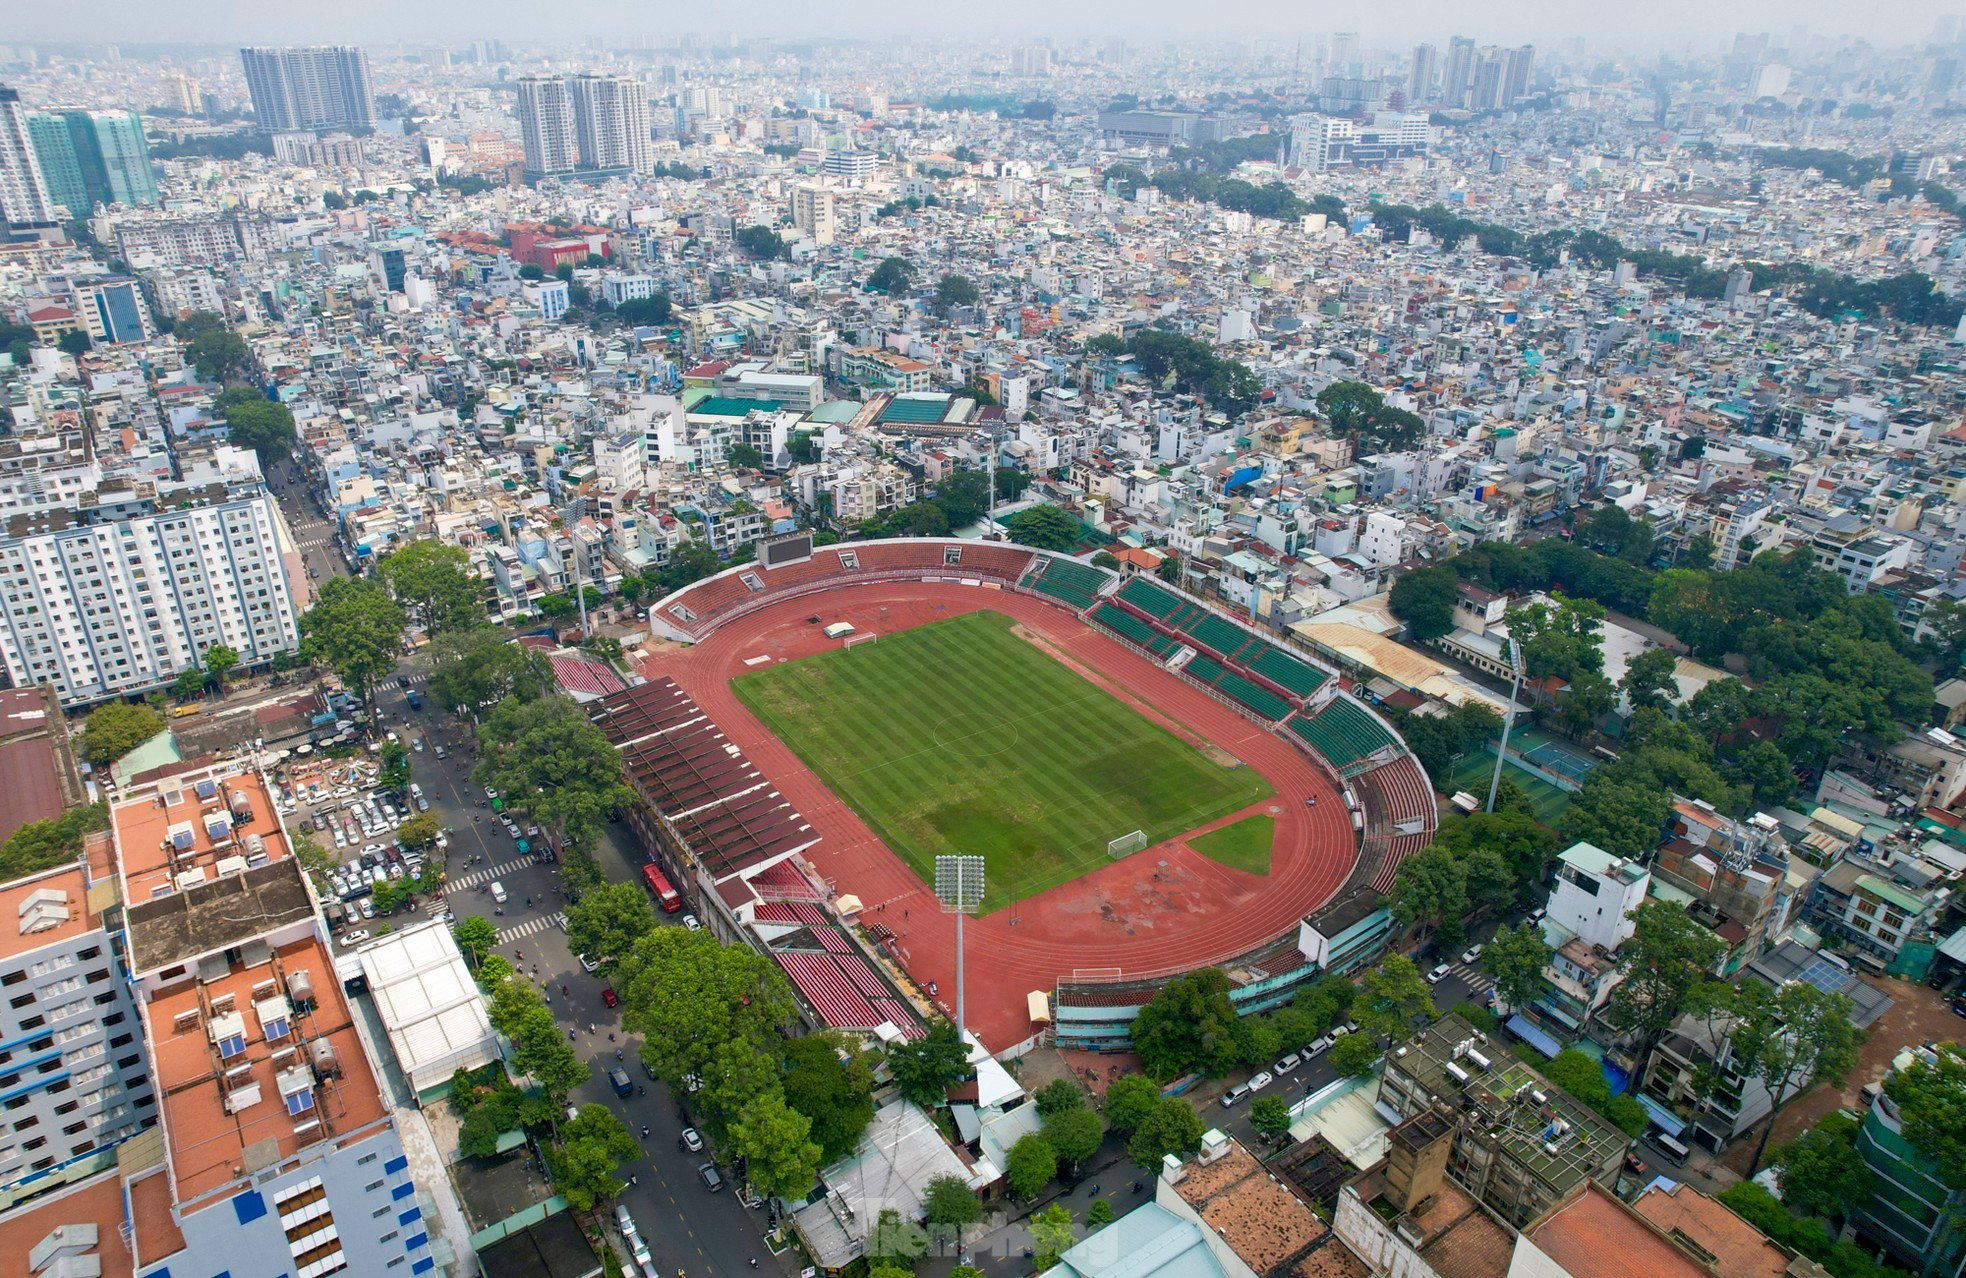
(1648, 678)
(830, 1079)
(1106, 345)
(1172, 1128)
(1354, 1055)
(1788, 1038)
(1431, 887)
(314, 857)
(258, 423)
(115, 728)
(1357, 410)
(744, 456)
(1074, 1135)
(1051, 1235)
(189, 684)
(388, 894)
(218, 354)
(1765, 771)
(1169, 570)
(1270, 1116)
(1516, 958)
(484, 666)
(607, 921)
(1930, 1094)
(1129, 1100)
(894, 1239)
(948, 1204)
(774, 1140)
(419, 831)
(1392, 997)
(1188, 1027)
(1821, 1172)
(475, 937)
(893, 275)
(42, 845)
(1046, 527)
(1059, 1095)
(927, 1067)
(593, 1144)
(395, 759)
(73, 342)
(922, 519)
(707, 1009)
(1099, 1213)
(429, 579)
(1424, 599)
(952, 291)
(1668, 953)
(550, 759)
(761, 242)
(1030, 1165)
(356, 630)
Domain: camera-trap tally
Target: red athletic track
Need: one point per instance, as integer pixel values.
(1164, 908)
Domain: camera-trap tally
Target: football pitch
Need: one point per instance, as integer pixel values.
(961, 737)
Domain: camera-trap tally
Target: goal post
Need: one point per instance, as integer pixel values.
(851, 640)
(1126, 844)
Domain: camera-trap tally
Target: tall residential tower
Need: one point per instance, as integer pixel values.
(319, 87)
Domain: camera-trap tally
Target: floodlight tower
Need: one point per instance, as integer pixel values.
(1508, 719)
(959, 886)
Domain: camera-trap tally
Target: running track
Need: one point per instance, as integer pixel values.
(1164, 908)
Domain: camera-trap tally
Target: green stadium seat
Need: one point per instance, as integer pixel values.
(1342, 732)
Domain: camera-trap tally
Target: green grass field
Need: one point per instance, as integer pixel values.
(961, 737)
(1473, 770)
(1244, 845)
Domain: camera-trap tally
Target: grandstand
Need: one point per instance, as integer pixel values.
(1067, 580)
(1344, 732)
(1252, 671)
(1135, 631)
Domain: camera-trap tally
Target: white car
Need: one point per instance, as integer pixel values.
(691, 922)
(1438, 974)
(354, 938)
(1288, 1063)
(1319, 1046)
(588, 965)
(1470, 954)
(1261, 1080)
(367, 907)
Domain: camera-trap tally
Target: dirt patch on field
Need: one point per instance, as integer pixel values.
(1220, 756)
(1063, 656)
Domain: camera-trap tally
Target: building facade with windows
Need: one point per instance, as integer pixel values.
(105, 600)
(318, 87)
(93, 157)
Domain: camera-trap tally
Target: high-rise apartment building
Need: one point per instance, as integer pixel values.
(77, 1074)
(319, 87)
(546, 128)
(813, 213)
(589, 123)
(1420, 80)
(123, 590)
(24, 198)
(611, 123)
(1459, 79)
(93, 157)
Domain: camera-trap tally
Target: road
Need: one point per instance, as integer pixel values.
(689, 1230)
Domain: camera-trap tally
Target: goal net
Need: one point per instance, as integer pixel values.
(852, 640)
(1126, 844)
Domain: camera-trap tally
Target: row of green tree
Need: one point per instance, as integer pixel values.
(1195, 369)
(1911, 297)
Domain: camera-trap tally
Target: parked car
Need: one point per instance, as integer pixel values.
(1260, 1079)
(691, 922)
(354, 938)
(1470, 954)
(1438, 974)
(712, 1179)
(1319, 1046)
(691, 1141)
(609, 997)
(588, 965)
(1289, 1062)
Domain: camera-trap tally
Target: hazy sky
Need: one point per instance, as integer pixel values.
(1653, 22)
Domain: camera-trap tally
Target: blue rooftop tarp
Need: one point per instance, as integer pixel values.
(1668, 1122)
(1519, 1026)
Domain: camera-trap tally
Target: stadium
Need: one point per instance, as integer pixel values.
(1119, 753)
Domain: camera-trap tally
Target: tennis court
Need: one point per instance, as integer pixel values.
(1472, 770)
(1549, 754)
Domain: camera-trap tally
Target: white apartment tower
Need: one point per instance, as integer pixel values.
(109, 600)
(24, 198)
(813, 213)
(546, 127)
(611, 123)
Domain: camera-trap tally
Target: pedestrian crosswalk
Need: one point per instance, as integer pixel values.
(1474, 976)
(487, 874)
(520, 931)
(313, 543)
(412, 680)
